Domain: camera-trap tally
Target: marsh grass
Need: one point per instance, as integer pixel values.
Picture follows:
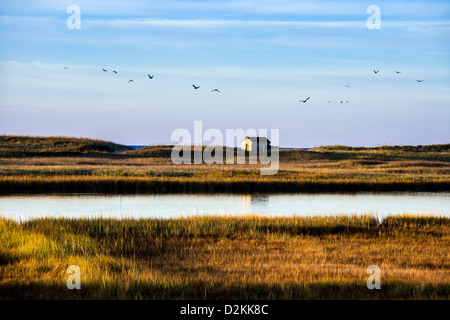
(61, 164)
(250, 257)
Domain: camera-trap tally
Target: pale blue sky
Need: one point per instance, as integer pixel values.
(263, 56)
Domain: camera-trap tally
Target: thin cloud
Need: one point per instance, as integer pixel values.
(178, 23)
(24, 21)
(219, 7)
(217, 24)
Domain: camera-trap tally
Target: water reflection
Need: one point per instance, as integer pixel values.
(22, 207)
(253, 203)
(246, 201)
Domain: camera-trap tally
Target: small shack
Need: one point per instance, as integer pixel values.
(255, 143)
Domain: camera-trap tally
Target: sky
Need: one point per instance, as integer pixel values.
(263, 56)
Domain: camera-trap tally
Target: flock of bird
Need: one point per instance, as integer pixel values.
(151, 77)
(347, 86)
(217, 90)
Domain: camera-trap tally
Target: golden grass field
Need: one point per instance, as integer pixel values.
(226, 258)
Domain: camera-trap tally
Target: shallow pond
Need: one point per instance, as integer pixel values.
(23, 207)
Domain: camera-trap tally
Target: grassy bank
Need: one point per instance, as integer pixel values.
(63, 165)
(140, 185)
(226, 258)
(28, 146)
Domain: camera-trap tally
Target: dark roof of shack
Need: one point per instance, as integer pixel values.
(258, 139)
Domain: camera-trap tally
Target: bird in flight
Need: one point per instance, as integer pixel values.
(195, 87)
(217, 90)
(149, 76)
(304, 100)
(131, 80)
(419, 80)
(65, 68)
(376, 71)
(115, 71)
(347, 86)
(397, 72)
(105, 70)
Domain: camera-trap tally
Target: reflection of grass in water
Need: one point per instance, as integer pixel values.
(248, 257)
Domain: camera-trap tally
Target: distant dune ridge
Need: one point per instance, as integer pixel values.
(34, 145)
(29, 145)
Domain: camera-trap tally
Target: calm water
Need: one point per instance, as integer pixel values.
(22, 207)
